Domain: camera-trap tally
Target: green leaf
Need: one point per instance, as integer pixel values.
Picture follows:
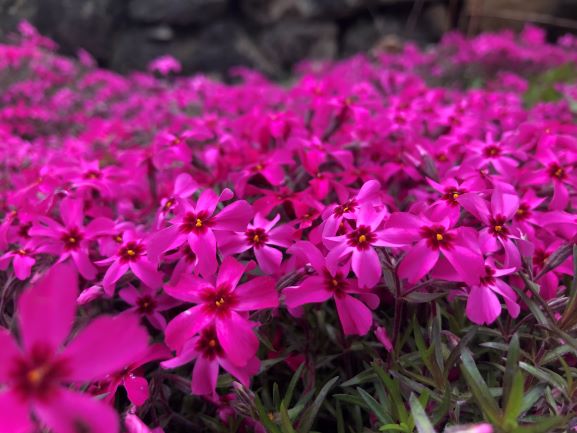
(514, 401)
(543, 426)
(376, 408)
(420, 418)
(340, 418)
(263, 416)
(394, 427)
(511, 367)
(292, 385)
(545, 375)
(310, 414)
(285, 422)
(479, 388)
(400, 411)
(365, 376)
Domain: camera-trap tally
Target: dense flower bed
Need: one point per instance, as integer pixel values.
(383, 243)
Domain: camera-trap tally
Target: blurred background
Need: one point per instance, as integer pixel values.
(271, 35)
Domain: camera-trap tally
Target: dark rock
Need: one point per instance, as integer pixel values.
(14, 11)
(88, 24)
(290, 41)
(214, 49)
(178, 12)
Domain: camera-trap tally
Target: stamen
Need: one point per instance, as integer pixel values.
(256, 238)
(198, 222)
(72, 240)
(439, 237)
(498, 228)
(131, 253)
(362, 239)
(334, 282)
(212, 343)
(219, 302)
(455, 195)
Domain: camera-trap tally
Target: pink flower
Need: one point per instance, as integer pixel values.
(382, 336)
(332, 282)
(458, 245)
(35, 372)
(147, 303)
(197, 224)
(209, 354)
(73, 239)
(358, 246)
(131, 377)
(259, 237)
(131, 255)
(483, 305)
(223, 303)
(497, 217)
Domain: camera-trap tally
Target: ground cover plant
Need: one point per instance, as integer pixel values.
(385, 243)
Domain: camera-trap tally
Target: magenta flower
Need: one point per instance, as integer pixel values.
(430, 239)
(358, 246)
(334, 215)
(131, 255)
(259, 237)
(148, 304)
(497, 218)
(184, 187)
(22, 259)
(131, 377)
(223, 303)
(332, 282)
(73, 239)
(209, 354)
(35, 371)
(197, 224)
(483, 305)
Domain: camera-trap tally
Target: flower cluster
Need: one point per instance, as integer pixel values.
(203, 211)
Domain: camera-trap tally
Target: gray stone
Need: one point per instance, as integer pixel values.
(178, 12)
(290, 41)
(88, 24)
(214, 49)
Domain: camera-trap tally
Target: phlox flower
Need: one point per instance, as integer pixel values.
(329, 282)
(72, 240)
(131, 377)
(223, 303)
(428, 240)
(197, 224)
(22, 259)
(358, 245)
(259, 237)
(148, 304)
(207, 351)
(131, 255)
(483, 305)
(496, 216)
(35, 371)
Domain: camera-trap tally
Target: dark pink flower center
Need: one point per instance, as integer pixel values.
(557, 172)
(437, 237)
(452, 194)
(146, 305)
(131, 251)
(540, 257)
(362, 238)
(336, 284)
(219, 301)
(24, 229)
(498, 228)
(208, 344)
(92, 174)
(197, 223)
(256, 237)
(492, 151)
(523, 212)
(72, 239)
(37, 375)
(348, 207)
(489, 277)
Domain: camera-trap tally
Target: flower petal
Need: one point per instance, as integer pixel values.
(137, 389)
(418, 261)
(47, 309)
(237, 338)
(356, 318)
(105, 346)
(14, 416)
(256, 294)
(72, 412)
(204, 376)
